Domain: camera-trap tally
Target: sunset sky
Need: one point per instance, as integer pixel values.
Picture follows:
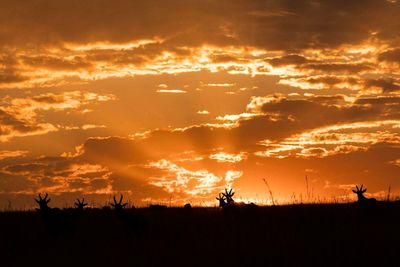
(172, 101)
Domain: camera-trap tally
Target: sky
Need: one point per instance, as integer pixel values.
(172, 101)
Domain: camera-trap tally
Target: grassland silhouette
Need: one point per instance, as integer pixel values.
(233, 234)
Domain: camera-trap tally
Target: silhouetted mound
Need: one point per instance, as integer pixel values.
(298, 235)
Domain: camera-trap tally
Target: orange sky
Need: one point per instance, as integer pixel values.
(172, 101)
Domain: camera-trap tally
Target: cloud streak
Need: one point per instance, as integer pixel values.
(19, 117)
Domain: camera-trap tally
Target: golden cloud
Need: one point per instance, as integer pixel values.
(19, 116)
(180, 180)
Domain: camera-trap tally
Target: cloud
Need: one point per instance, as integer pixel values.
(258, 38)
(10, 76)
(395, 162)
(325, 24)
(58, 175)
(226, 157)
(338, 67)
(9, 73)
(162, 85)
(274, 119)
(287, 60)
(379, 100)
(391, 55)
(11, 126)
(92, 126)
(12, 153)
(177, 179)
(321, 82)
(14, 183)
(332, 140)
(203, 112)
(171, 91)
(218, 84)
(19, 117)
(387, 85)
(56, 63)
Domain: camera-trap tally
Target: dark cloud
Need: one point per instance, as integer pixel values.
(195, 22)
(387, 85)
(14, 182)
(391, 55)
(303, 63)
(136, 56)
(324, 81)
(328, 99)
(8, 69)
(310, 114)
(287, 60)
(223, 58)
(55, 63)
(15, 124)
(330, 79)
(60, 174)
(11, 76)
(392, 101)
(337, 67)
(27, 167)
(75, 39)
(21, 116)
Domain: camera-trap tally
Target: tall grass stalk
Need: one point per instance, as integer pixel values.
(270, 192)
(388, 194)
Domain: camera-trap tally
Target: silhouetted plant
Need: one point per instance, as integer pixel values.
(360, 194)
(80, 205)
(43, 202)
(118, 205)
(187, 206)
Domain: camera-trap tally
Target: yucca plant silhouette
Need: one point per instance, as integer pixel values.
(118, 205)
(360, 195)
(80, 204)
(43, 203)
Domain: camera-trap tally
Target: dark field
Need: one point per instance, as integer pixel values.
(298, 235)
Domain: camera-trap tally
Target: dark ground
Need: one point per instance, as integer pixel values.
(298, 235)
